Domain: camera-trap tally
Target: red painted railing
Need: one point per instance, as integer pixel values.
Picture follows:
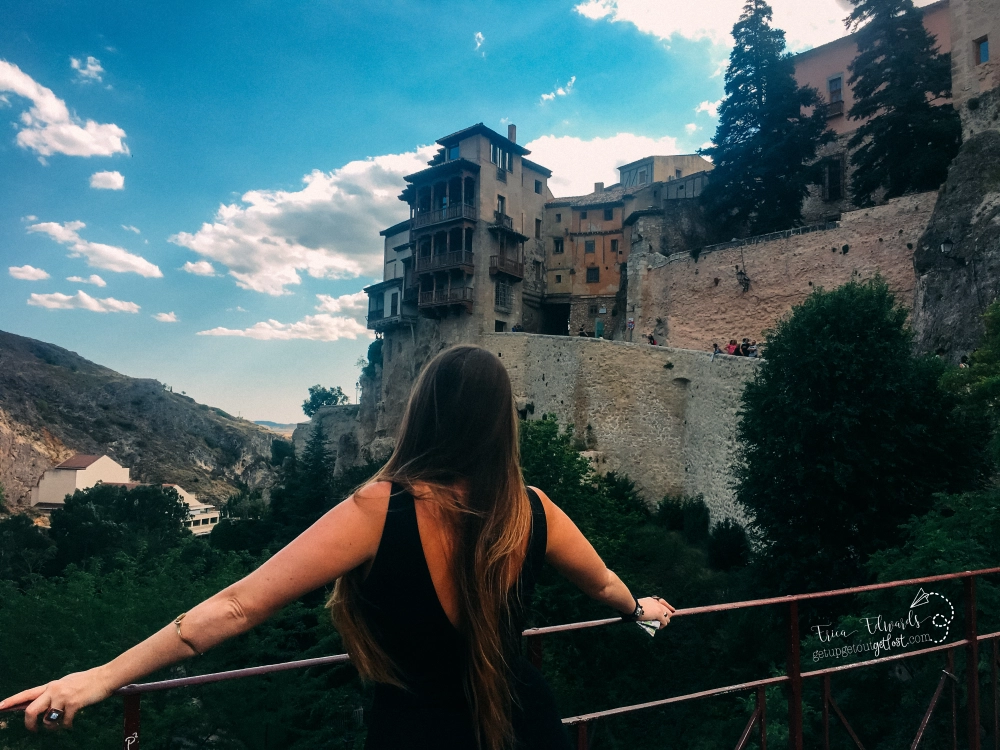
(794, 676)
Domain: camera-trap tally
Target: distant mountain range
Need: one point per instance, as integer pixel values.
(281, 429)
(54, 403)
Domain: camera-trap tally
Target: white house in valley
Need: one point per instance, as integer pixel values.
(77, 473)
(83, 472)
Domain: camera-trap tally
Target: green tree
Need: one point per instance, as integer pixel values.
(844, 436)
(908, 137)
(320, 397)
(24, 549)
(767, 135)
(109, 519)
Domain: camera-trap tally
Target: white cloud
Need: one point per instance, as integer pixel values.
(130, 228)
(807, 24)
(92, 279)
(4, 101)
(560, 90)
(48, 127)
(709, 108)
(480, 39)
(166, 317)
(107, 180)
(321, 327)
(354, 304)
(98, 255)
(81, 301)
(328, 229)
(27, 273)
(691, 128)
(200, 268)
(577, 164)
(87, 71)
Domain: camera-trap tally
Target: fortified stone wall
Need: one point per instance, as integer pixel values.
(693, 303)
(664, 417)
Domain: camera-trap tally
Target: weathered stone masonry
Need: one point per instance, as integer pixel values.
(665, 417)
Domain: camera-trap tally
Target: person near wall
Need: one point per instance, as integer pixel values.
(752, 351)
(716, 351)
(732, 347)
(435, 560)
(744, 350)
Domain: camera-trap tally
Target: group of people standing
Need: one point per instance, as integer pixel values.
(745, 348)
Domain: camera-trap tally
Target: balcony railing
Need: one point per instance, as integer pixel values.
(501, 174)
(510, 266)
(448, 213)
(793, 677)
(835, 109)
(503, 221)
(385, 322)
(443, 261)
(453, 296)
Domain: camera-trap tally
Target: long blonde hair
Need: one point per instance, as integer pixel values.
(460, 426)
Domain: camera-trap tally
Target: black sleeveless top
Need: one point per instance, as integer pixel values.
(409, 623)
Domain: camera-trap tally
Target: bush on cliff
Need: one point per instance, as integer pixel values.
(845, 435)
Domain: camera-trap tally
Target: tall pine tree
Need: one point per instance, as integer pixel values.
(769, 131)
(908, 139)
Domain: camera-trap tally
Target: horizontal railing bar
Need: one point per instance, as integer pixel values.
(530, 632)
(677, 699)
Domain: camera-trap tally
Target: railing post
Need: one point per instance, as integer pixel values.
(996, 695)
(972, 663)
(131, 731)
(582, 736)
(954, 701)
(826, 712)
(795, 680)
(762, 709)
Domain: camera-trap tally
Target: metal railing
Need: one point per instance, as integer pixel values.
(448, 213)
(446, 296)
(794, 676)
(509, 266)
(442, 261)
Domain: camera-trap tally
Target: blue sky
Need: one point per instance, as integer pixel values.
(192, 192)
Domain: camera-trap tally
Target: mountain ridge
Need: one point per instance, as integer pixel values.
(54, 403)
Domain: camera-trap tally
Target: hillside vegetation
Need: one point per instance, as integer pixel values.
(54, 403)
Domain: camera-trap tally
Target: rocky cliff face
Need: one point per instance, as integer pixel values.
(54, 403)
(958, 258)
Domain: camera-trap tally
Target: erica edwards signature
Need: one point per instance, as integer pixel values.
(896, 633)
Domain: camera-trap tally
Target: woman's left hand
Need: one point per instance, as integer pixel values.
(656, 608)
(69, 695)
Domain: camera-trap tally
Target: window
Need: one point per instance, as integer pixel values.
(501, 205)
(592, 310)
(558, 218)
(499, 326)
(982, 47)
(503, 297)
(588, 246)
(453, 153)
(593, 275)
(394, 304)
(614, 246)
(833, 180)
(835, 86)
(538, 229)
(642, 177)
(538, 186)
(500, 157)
(583, 215)
(559, 278)
(557, 246)
(609, 214)
(678, 174)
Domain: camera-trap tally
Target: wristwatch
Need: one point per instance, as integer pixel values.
(637, 613)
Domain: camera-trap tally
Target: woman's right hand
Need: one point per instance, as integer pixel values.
(655, 608)
(69, 694)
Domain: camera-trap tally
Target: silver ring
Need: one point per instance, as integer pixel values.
(53, 715)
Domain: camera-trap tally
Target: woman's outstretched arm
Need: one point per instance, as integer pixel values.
(344, 538)
(569, 552)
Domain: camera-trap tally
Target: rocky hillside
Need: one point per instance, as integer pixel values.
(54, 403)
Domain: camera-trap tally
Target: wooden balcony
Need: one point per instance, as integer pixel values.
(445, 261)
(448, 213)
(442, 297)
(379, 321)
(835, 109)
(501, 174)
(501, 264)
(504, 223)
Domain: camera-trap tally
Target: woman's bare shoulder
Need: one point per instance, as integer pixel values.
(372, 499)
